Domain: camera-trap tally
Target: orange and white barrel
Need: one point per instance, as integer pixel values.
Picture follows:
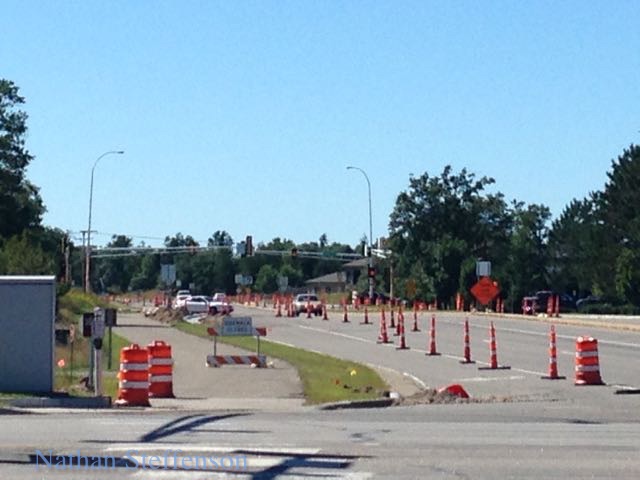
(160, 370)
(133, 377)
(587, 368)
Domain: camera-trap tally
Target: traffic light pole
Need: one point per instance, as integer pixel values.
(371, 279)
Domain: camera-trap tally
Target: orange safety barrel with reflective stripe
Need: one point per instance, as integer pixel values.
(587, 364)
(133, 377)
(160, 370)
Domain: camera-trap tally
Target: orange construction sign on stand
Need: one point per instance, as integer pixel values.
(485, 290)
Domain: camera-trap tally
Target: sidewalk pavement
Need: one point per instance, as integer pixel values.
(198, 387)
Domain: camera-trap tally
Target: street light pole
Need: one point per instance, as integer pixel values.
(87, 273)
(370, 228)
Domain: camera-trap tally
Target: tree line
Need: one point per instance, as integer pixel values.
(440, 227)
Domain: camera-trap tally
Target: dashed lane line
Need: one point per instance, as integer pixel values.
(417, 350)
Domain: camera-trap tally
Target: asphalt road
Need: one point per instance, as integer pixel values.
(475, 441)
(522, 344)
(197, 386)
(549, 429)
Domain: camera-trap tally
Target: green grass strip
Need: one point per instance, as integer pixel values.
(324, 378)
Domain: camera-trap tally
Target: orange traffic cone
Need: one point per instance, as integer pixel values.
(383, 336)
(493, 353)
(467, 345)
(415, 318)
(432, 337)
(366, 316)
(392, 321)
(553, 357)
(403, 344)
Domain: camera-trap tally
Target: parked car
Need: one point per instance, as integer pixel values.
(196, 304)
(220, 297)
(181, 297)
(219, 304)
(205, 304)
(588, 300)
(363, 296)
(307, 300)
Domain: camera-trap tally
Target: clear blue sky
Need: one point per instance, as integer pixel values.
(242, 115)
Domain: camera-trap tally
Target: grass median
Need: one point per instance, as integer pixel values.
(324, 378)
(68, 378)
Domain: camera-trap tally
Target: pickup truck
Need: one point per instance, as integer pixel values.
(307, 300)
(204, 304)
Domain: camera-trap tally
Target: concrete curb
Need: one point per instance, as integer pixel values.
(11, 411)
(62, 402)
(378, 403)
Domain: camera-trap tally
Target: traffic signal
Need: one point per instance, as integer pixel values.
(371, 272)
(249, 246)
(294, 252)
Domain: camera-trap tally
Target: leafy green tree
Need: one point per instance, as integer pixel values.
(267, 279)
(528, 254)
(183, 261)
(115, 273)
(620, 215)
(20, 204)
(293, 274)
(146, 277)
(278, 243)
(573, 247)
(441, 222)
(22, 256)
(220, 238)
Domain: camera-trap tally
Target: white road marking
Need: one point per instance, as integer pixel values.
(416, 379)
(489, 379)
(282, 455)
(177, 475)
(546, 334)
(338, 334)
(185, 447)
(418, 350)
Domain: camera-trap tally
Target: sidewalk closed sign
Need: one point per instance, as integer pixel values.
(237, 326)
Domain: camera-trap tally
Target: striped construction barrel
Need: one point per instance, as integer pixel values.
(587, 365)
(160, 370)
(133, 377)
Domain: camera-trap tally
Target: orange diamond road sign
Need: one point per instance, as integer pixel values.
(485, 290)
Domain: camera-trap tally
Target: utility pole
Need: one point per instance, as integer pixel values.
(84, 260)
(65, 255)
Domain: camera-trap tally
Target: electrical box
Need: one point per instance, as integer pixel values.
(27, 333)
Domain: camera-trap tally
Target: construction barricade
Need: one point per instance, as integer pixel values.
(219, 360)
(587, 366)
(160, 370)
(238, 326)
(133, 377)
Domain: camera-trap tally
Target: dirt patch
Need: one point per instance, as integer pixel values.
(164, 315)
(433, 397)
(426, 397)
